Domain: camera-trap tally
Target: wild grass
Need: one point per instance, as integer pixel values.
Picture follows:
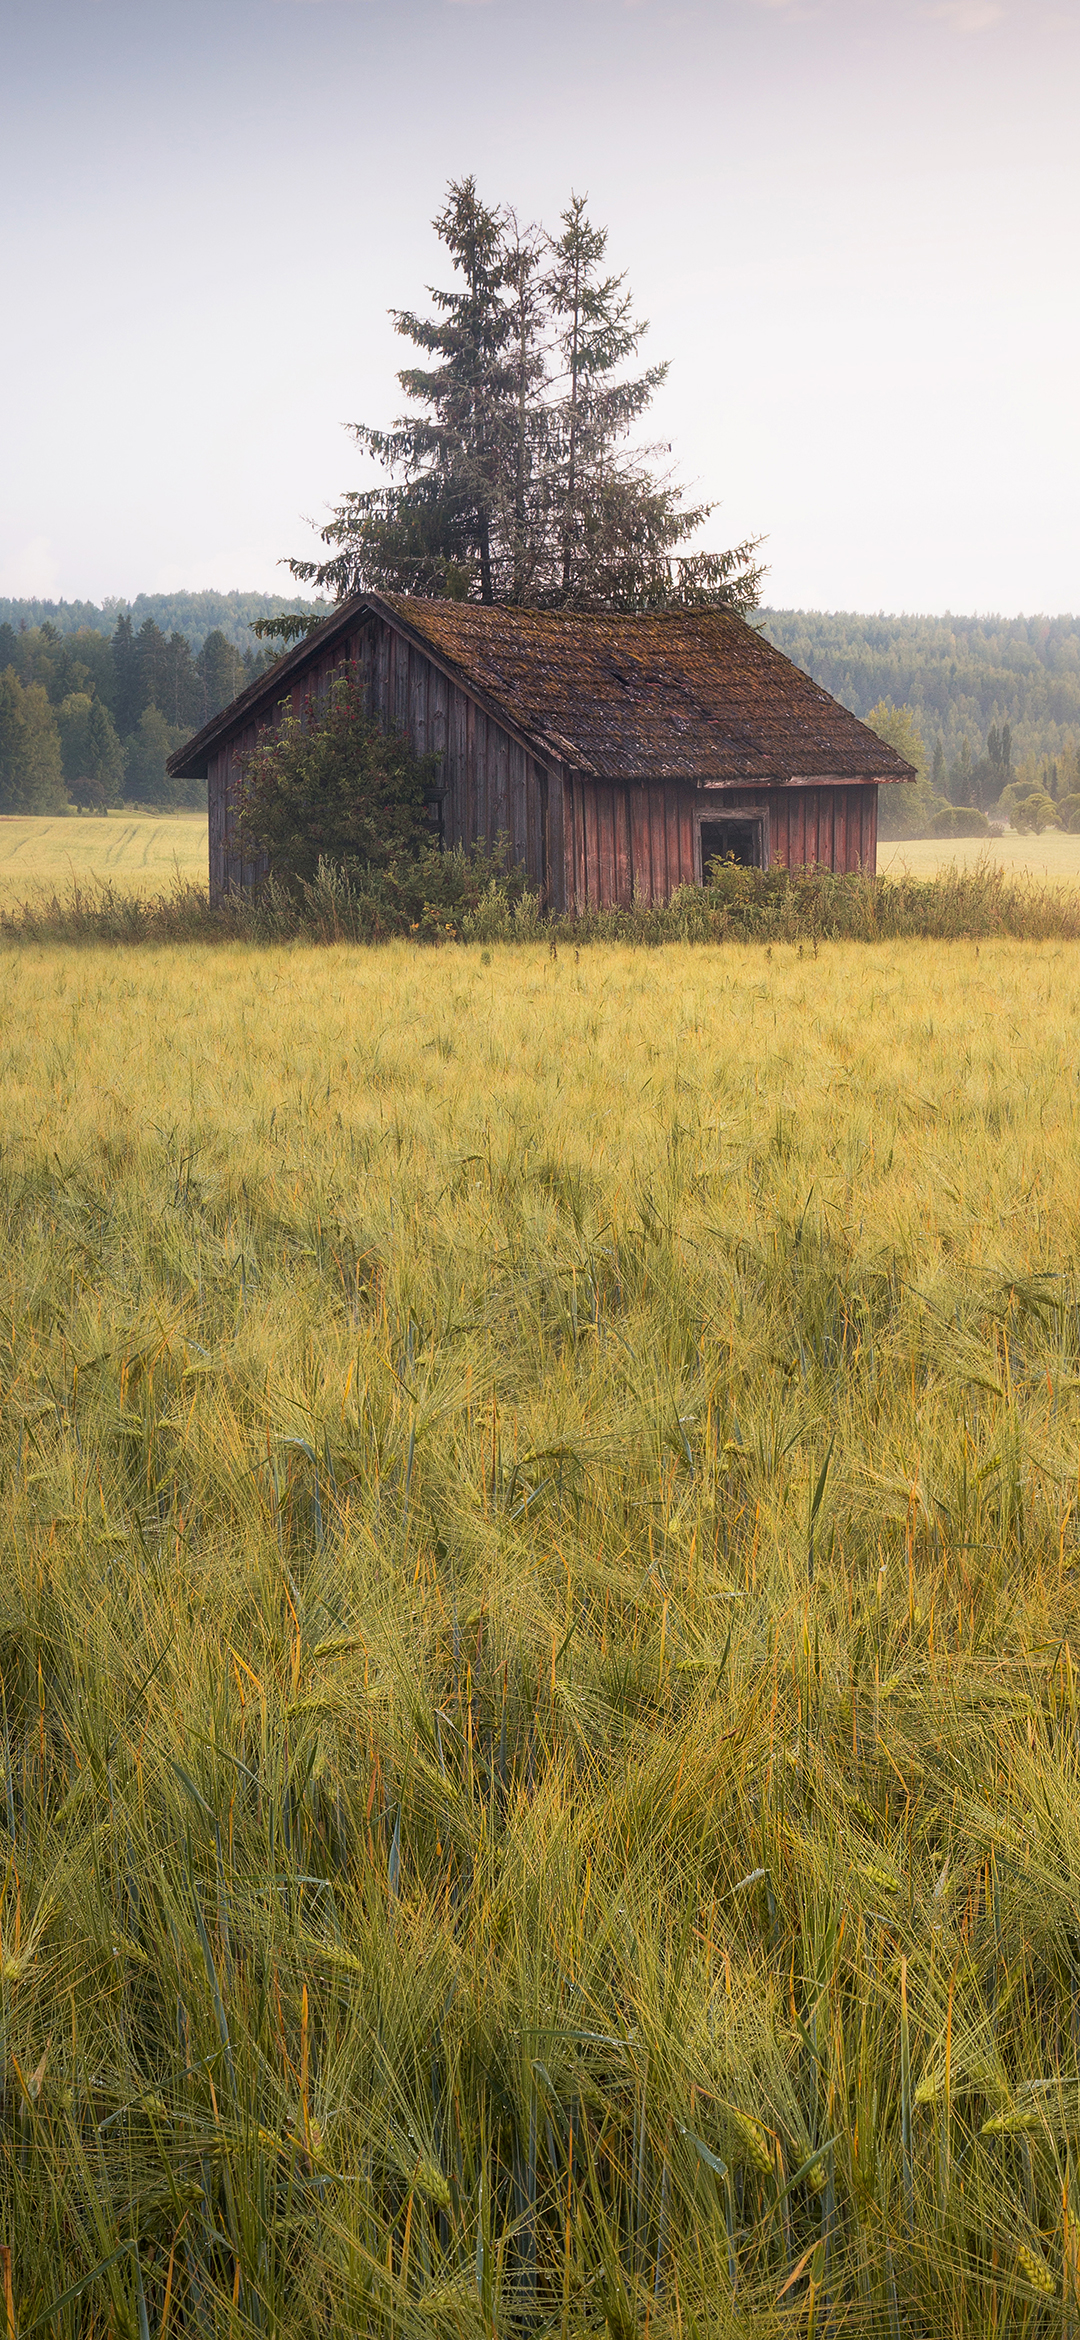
(538, 1641)
(455, 897)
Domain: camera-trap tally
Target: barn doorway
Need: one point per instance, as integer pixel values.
(741, 840)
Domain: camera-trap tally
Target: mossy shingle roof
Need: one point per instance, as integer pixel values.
(679, 694)
(694, 694)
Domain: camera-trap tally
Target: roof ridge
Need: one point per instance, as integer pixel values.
(710, 701)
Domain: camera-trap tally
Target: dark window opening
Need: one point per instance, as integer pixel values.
(433, 814)
(738, 841)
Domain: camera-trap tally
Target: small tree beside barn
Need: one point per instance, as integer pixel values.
(615, 754)
(331, 785)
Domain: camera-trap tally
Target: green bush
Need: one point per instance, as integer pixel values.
(1068, 811)
(1030, 810)
(330, 786)
(905, 811)
(434, 897)
(959, 820)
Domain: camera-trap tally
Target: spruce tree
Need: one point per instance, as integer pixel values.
(182, 695)
(152, 651)
(105, 756)
(220, 672)
(431, 530)
(596, 334)
(151, 742)
(514, 477)
(126, 701)
(525, 500)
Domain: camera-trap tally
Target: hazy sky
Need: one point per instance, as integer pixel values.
(853, 225)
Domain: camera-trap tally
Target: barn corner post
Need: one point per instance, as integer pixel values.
(870, 827)
(217, 806)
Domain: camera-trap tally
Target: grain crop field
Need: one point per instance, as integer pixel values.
(1054, 856)
(138, 851)
(539, 1727)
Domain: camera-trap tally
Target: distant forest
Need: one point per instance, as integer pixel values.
(94, 697)
(961, 677)
(195, 615)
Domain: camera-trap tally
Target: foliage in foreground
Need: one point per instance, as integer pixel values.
(538, 1612)
(477, 897)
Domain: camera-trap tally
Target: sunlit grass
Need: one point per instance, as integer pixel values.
(138, 851)
(1054, 855)
(538, 1621)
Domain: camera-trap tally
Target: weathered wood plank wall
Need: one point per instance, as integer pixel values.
(229, 871)
(627, 841)
(491, 786)
(834, 828)
(585, 843)
(635, 841)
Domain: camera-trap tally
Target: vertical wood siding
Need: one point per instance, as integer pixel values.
(229, 871)
(491, 787)
(636, 842)
(587, 844)
(835, 828)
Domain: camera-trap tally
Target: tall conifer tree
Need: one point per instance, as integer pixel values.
(432, 530)
(514, 478)
(126, 701)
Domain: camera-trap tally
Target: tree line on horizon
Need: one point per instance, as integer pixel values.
(949, 688)
(195, 614)
(987, 710)
(961, 676)
(90, 718)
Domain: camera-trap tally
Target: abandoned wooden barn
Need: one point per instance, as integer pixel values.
(617, 754)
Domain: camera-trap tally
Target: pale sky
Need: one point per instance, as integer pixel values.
(853, 225)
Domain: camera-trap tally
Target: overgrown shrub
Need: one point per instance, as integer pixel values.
(434, 897)
(330, 786)
(1031, 810)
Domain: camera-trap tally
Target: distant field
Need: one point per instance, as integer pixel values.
(140, 851)
(1053, 855)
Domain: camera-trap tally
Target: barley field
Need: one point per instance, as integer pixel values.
(1054, 856)
(538, 1711)
(138, 851)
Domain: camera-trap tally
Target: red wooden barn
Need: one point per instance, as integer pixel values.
(618, 754)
